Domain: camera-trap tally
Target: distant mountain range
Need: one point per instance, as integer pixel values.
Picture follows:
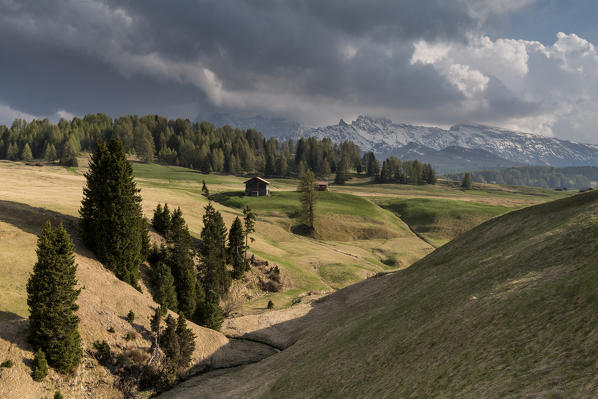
(462, 147)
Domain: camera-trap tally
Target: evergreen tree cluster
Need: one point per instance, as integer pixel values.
(162, 219)
(195, 290)
(51, 296)
(178, 342)
(402, 172)
(199, 146)
(112, 223)
(174, 275)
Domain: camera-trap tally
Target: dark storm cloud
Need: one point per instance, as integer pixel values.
(304, 59)
(84, 56)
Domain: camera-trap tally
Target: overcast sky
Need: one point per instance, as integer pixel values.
(521, 64)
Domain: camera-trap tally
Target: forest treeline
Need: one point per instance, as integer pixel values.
(536, 176)
(202, 146)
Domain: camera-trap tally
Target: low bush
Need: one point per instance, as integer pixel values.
(102, 351)
(39, 369)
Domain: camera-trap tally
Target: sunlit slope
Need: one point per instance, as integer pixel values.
(103, 303)
(376, 238)
(508, 309)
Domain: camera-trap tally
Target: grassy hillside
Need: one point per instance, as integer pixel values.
(441, 220)
(507, 309)
(356, 237)
(355, 232)
(340, 217)
(510, 196)
(103, 303)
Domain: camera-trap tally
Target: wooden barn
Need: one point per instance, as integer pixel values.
(322, 185)
(257, 187)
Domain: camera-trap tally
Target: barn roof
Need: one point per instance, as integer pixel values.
(322, 183)
(257, 178)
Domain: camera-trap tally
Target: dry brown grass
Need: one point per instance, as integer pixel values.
(104, 303)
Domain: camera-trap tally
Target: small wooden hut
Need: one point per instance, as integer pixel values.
(257, 187)
(322, 185)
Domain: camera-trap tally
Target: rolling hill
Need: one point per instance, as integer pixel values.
(103, 304)
(507, 309)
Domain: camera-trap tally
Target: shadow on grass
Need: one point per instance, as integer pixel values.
(226, 197)
(4, 316)
(302, 230)
(31, 219)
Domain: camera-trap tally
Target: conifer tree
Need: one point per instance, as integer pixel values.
(69, 153)
(308, 199)
(39, 367)
(213, 252)
(235, 248)
(209, 313)
(51, 296)
(186, 339)
(181, 264)
(26, 154)
(200, 299)
(204, 189)
(12, 153)
(50, 153)
(155, 321)
(466, 183)
(169, 341)
(249, 222)
(163, 284)
(161, 220)
(156, 219)
(112, 223)
(144, 143)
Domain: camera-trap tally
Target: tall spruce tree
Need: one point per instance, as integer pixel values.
(169, 343)
(181, 264)
(112, 223)
(466, 183)
(162, 219)
(164, 288)
(186, 339)
(26, 154)
(213, 252)
(209, 313)
(51, 296)
(235, 248)
(249, 222)
(50, 152)
(308, 199)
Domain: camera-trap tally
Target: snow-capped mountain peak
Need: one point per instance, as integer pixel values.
(382, 136)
